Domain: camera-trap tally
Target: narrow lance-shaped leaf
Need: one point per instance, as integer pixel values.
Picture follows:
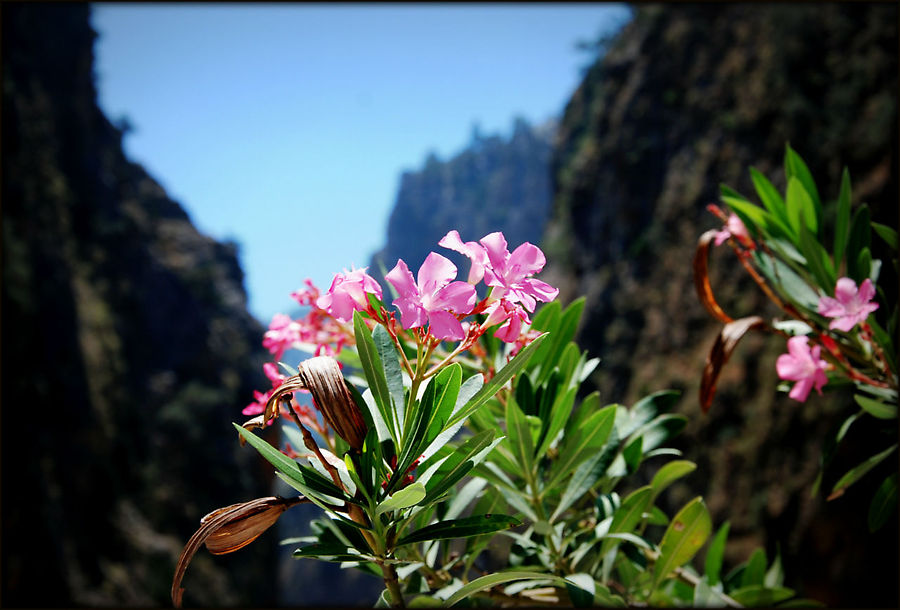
(460, 528)
(884, 504)
(390, 362)
(857, 473)
(374, 371)
(410, 495)
(715, 553)
(685, 536)
(499, 380)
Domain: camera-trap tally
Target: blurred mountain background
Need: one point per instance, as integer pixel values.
(126, 338)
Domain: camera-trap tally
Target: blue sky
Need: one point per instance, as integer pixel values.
(285, 127)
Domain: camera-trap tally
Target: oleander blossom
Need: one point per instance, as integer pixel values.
(735, 228)
(803, 365)
(473, 250)
(348, 294)
(434, 298)
(284, 332)
(510, 274)
(511, 315)
(849, 306)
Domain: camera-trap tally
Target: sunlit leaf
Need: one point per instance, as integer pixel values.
(715, 553)
(410, 495)
(686, 534)
(498, 381)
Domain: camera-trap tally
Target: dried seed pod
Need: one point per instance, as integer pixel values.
(228, 529)
(322, 377)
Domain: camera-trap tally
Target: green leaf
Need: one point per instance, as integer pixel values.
(328, 552)
(460, 528)
(769, 196)
(842, 223)
(659, 430)
(817, 259)
(627, 516)
(758, 595)
(309, 478)
(498, 381)
(592, 435)
(775, 574)
(670, 473)
(390, 362)
(632, 454)
(876, 408)
(860, 232)
(519, 436)
(374, 371)
(457, 464)
(884, 504)
(685, 535)
(755, 570)
(559, 414)
(857, 473)
(800, 208)
(581, 589)
(715, 553)
(486, 582)
(402, 498)
(568, 324)
(757, 220)
(886, 233)
(796, 168)
(584, 478)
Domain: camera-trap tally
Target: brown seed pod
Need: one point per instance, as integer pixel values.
(228, 529)
(322, 377)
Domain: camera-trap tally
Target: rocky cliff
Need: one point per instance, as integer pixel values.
(687, 97)
(127, 352)
(495, 184)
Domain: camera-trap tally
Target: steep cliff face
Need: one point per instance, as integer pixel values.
(127, 352)
(496, 184)
(687, 97)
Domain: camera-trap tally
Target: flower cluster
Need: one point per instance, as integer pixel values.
(803, 364)
(433, 304)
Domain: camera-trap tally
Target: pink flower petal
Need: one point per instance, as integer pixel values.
(866, 291)
(845, 291)
(497, 252)
(474, 251)
(527, 259)
(435, 273)
(444, 325)
(401, 278)
(458, 297)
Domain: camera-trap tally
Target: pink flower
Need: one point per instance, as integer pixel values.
(307, 296)
(476, 253)
(734, 228)
(510, 274)
(850, 307)
(348, 294)
(512, 314)
(803, 365)
(255, 408)
(271, 371)
(283, 333)
(434, 299)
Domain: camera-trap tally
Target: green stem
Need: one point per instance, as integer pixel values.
(392, 583)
